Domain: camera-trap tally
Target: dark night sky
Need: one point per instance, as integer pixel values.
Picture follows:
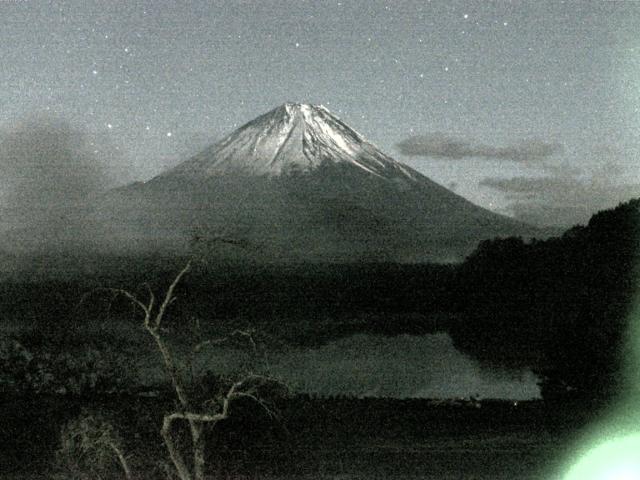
(530, 108)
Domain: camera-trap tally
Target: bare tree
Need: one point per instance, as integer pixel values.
(90, 444)
(194, 413)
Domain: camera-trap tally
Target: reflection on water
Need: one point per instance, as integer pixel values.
(404, 366)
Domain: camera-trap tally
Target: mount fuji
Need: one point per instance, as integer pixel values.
(300, 185)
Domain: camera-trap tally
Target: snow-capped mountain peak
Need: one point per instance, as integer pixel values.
(291, 138)
(301, 185)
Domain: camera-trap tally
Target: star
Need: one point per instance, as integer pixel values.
(95, 72)
(169, 134)
(466, 16)
(109, 126)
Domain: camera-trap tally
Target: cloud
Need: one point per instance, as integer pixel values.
(440, 145)
(48, 171)
(563, 199)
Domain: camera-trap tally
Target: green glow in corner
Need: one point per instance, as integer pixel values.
(613, 443)
(614, 460)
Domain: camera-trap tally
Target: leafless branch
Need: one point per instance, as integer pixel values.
(152, 297)
(210, 342)
(134, 299)
(169, 298)
(219, 341)
(247, 388)
(257, 400)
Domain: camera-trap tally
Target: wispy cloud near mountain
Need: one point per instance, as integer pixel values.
(441, 145)
(565, 197)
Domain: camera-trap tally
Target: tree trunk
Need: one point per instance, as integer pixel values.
(174, 452)
(172, 368)
(197, 436)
